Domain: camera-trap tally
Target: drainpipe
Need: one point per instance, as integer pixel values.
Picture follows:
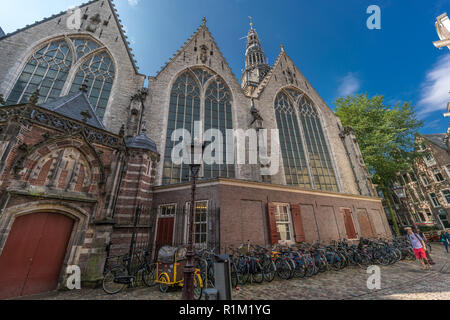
(116, 195)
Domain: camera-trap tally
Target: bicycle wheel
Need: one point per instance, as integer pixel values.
(270, 271)
(149, 275)
(244, 274)
(283, 269)
(300, 268)
(109, 285)
(198, 290)
(163, 283)
(258, 274)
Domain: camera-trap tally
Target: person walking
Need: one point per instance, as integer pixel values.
(444, 238)
(419, 247)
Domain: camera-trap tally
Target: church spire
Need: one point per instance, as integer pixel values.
(256, 67)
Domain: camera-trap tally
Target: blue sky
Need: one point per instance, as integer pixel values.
(328, 40)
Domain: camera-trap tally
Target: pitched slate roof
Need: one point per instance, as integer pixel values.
(437, 139)
(72, 106)
(2, 34)
(116, 17)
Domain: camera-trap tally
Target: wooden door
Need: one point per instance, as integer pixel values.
(349, 225)
(164, 236)
(33, 255)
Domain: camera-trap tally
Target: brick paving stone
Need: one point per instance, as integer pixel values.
(402, 281)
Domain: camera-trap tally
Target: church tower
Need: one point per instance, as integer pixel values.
(256, 67)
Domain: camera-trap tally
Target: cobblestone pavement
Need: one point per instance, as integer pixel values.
(404, 280)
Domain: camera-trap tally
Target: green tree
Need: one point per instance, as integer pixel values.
(385, 134)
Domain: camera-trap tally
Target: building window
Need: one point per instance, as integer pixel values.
(319, 156)
(422, 146)
(296, 150)
(429, 160)
(434, 200)
(98, 73)
(184, 110)
(406, 178)
(294, 158)
(447, 170)
(167, 210)
(425, 180)
(446, 195)
(413, 176)
(438, 175)
(200, 229)
(201, 223)
(218, 116)
(284, 223)
(46, 70)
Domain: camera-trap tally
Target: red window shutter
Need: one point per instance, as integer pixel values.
(273, 231)
(298, 223)
(348, 221)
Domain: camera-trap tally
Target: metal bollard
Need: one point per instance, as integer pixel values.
(222, 275)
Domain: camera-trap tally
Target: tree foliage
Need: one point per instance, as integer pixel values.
(385, 134)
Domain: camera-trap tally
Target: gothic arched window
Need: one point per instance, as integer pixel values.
(294, 159)
(47, 70)
(319, 155)
(98, 72)
(218, 116)
(293, 145)
(184, 109)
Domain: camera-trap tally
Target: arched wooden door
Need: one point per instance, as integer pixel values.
(33, 255)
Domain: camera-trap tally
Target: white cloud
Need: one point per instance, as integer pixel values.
(350, 85)
(435, 89)
(133, 3)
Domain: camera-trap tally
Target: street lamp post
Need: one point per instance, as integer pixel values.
(400, 193)
(189, 269)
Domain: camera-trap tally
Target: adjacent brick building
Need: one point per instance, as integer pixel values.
(427, 185)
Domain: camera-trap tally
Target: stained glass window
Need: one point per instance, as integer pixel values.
(299, 151)
(83, 46)
(184, 110)
(294, 159)
(49, 67)
(319, 156)
(98, 72)
(46, 70)
(218, 116)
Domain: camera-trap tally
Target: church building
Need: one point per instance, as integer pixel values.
(85, 143)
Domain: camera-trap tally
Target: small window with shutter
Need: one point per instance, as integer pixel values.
(280, 223)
